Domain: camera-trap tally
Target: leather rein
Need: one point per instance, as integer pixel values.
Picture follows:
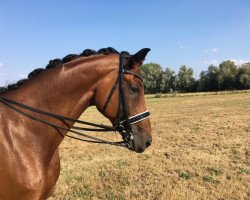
(122, 124)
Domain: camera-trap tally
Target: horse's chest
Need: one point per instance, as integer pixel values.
(25, 175)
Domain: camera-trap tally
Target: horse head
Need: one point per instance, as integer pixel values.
(120, 97)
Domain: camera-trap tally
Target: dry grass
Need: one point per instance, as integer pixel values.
(200, 151)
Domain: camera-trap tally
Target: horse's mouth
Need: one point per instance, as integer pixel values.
(138, 148)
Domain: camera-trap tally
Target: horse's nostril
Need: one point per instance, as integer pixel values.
(148, 143)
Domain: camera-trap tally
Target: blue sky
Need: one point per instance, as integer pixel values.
(191, 32)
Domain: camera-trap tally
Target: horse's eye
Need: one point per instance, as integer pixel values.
(135, 89)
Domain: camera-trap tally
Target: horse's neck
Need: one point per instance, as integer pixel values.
(67, 90)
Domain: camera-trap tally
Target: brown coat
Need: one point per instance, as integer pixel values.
(29, 159)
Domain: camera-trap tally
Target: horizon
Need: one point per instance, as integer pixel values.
(195, 34)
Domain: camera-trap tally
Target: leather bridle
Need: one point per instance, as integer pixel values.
(122, 124)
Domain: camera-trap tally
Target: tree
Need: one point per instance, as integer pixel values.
(209, 79)
(186, 81)
(227, 75)
(155, 79)
(203, 81)
(171, 80)
(243, 77)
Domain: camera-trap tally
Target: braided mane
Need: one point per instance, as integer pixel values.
(57, 62)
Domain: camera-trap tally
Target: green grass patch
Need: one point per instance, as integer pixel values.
(185, 175)
(215, 172)
(244, 171)
(122, 164)
(179, 94)
(210, 179)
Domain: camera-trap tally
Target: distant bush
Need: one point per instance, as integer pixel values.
(227, 76)
(158, 95)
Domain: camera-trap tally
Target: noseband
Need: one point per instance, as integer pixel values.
(121, 125)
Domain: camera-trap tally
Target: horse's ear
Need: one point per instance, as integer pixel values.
(138, 58)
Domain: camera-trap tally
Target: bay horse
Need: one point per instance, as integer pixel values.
(29, 157)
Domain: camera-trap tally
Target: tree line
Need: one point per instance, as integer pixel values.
(227, 76)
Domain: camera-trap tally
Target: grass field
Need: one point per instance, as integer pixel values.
(200, 150)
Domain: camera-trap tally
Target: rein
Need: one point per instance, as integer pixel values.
(102, 128)
(122, 126)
